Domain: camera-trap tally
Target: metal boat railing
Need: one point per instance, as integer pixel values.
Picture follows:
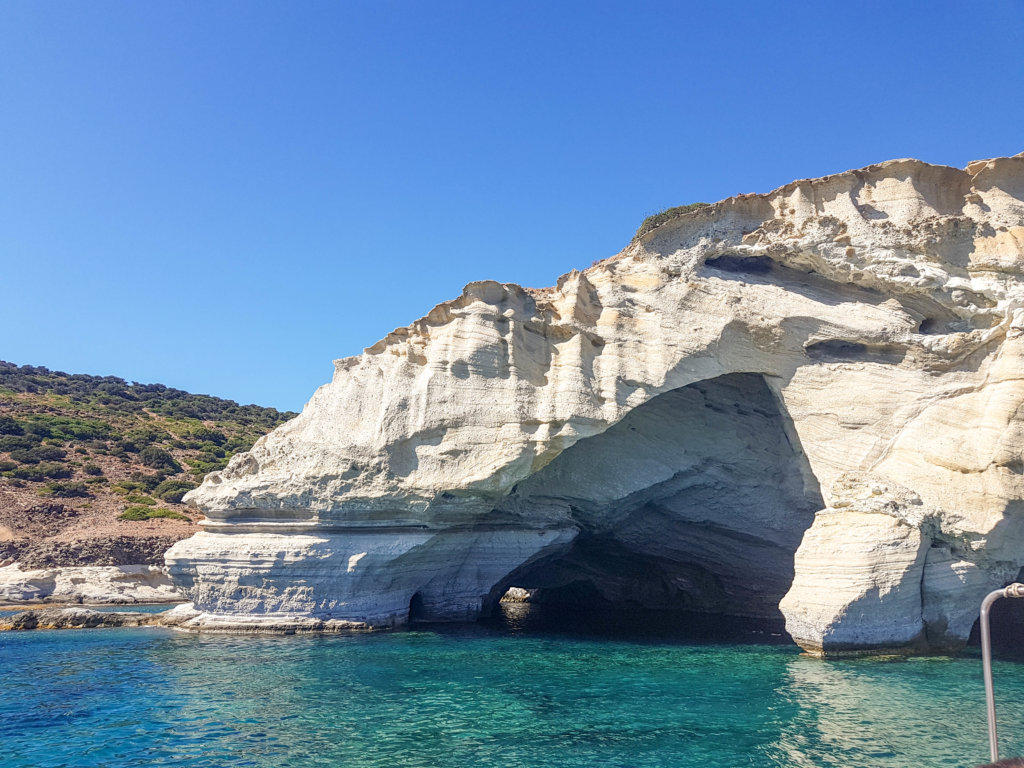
(1014, 590)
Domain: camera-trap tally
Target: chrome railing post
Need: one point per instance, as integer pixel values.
(1014, 590)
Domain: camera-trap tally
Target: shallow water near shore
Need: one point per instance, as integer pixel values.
(511, 693)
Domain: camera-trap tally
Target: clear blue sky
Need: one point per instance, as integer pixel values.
(226, 196)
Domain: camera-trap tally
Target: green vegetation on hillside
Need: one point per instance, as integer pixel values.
(117, 395)
(73, 436)
(657, 219)
(148, 513)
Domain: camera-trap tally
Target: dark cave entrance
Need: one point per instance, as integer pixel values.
(695, 501)
(1006, 625)
(417, 611)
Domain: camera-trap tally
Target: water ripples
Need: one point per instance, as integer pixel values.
(478, 697)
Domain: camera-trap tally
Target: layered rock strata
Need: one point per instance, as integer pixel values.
(87, 584)
(814, 393)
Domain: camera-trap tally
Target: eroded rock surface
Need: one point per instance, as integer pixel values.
(661, 429)
(74, 618)
(87, 584)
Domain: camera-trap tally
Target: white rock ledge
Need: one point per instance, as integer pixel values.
(94, 584)
(186, 618)
(814, 394)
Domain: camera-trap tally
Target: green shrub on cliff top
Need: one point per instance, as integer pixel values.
(659, 218)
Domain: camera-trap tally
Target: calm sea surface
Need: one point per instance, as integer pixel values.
(507, 694)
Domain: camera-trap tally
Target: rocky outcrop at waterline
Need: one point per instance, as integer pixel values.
(811, 398)
(86, 584)
(75, 618)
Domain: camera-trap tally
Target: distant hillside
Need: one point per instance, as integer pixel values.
(93, 468)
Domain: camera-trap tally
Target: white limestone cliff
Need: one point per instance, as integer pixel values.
(94, 584)
(815, 392)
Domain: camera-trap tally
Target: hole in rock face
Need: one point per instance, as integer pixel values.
(751, 265)
(695, 501)
(417, 612)
(839, 351)
(800, 279)
(835, 349)
(931, 326)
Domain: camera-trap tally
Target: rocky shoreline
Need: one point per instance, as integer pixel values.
(95, 584)
(182, 616)
(73, 618)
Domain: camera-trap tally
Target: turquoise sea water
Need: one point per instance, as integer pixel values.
(499, 695)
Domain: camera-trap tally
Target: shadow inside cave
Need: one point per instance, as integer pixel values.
(1006, 626)
(634, 625)
(695, 502)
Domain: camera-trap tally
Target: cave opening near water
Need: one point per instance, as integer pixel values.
(694, 502)
(1006, 627)
(417, 610)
